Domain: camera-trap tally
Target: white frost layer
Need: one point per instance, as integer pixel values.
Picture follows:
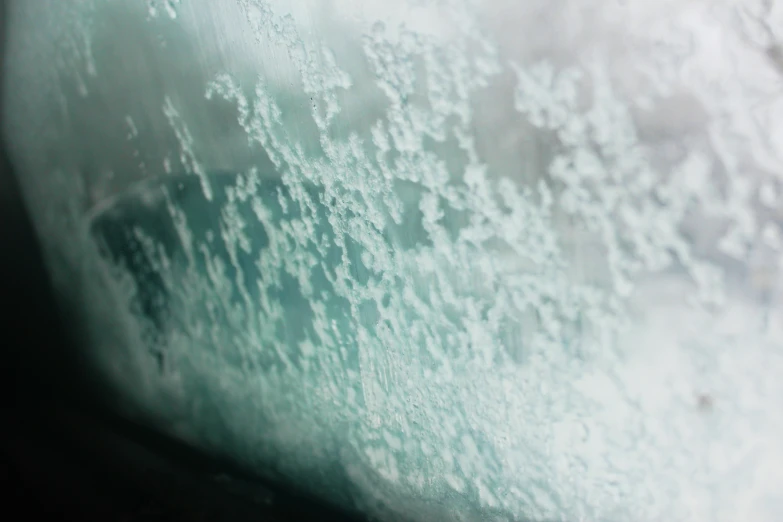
(538, 328)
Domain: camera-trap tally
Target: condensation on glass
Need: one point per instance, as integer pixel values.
(431, 259)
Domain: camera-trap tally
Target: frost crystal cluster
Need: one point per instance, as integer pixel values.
(428, 259)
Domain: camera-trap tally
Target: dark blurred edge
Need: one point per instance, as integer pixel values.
(61, 457)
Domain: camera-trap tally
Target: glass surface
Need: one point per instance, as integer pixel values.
(431, 259)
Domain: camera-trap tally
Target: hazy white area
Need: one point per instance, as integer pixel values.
(431, 259)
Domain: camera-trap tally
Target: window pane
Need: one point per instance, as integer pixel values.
(434, 259)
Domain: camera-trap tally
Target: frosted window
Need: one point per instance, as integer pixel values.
(428, 259)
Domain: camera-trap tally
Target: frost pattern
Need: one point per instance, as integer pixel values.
(398, 316)
(154, 8)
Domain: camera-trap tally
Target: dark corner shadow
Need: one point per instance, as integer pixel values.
(37, 350)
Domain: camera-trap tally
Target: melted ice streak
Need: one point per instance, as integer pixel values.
(450, 336)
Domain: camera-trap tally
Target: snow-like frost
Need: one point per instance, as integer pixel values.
(468, 275)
